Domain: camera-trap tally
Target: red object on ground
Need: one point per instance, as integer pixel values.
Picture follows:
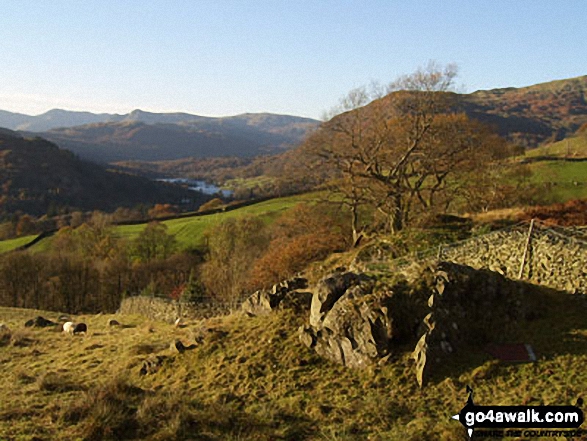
(516, 352)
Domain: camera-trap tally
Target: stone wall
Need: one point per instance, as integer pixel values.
(156, 308)
(555, 257)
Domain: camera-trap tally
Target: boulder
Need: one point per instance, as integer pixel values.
(39, 322)
(179, 347)
(329, 290)
(152, 364)
(281, 295)
(112, 322)
(349, 323)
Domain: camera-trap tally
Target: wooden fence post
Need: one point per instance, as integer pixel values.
(526, 249)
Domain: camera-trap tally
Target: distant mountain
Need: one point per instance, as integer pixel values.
(141, 135)
(50, 120)
(36, 177)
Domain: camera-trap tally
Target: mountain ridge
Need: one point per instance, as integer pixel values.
(61, 118)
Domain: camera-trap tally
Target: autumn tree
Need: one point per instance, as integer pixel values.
(302, 235)
(154, 243)
(403, 150)
(233, 246)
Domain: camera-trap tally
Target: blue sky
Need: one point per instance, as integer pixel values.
(297, 57)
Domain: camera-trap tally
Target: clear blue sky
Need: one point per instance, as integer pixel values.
(224, 57)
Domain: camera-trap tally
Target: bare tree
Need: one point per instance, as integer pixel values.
(401, 150)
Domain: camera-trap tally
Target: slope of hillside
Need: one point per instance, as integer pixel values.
(252, 379)
(189, 231)
(38, 177)
(573, 148)
(534, 114)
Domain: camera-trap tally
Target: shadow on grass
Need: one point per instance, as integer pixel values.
(557, 326)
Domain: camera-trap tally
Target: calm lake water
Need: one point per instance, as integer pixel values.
(197, 185)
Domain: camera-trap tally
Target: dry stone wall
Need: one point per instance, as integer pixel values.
(156, 308)
(552, 257)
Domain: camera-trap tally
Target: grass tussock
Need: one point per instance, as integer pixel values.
(147, 348)
(22, 338)
(55, 382)
(5, 336)
(106, 411)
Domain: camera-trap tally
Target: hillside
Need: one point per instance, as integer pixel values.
(252, 379)
(531, 115)
(38, 177)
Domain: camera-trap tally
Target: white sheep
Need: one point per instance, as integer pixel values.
(68, 327)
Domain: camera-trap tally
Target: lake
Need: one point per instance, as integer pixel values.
(197, 185)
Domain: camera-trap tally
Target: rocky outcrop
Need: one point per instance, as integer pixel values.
(286, 294)
(357, 321)
(353, 324)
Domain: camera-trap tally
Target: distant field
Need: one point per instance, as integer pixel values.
(233, 184)
(12, 244)
(571, 147)
(568, 180)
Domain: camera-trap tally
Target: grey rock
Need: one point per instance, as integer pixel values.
(39, 322)
(282, 295)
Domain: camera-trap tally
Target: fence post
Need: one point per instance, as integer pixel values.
(526, 249)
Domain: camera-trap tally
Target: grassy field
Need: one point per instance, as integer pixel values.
(251, 379)
(11, 244)
(189, 231)
(575, 147)
(565, 180)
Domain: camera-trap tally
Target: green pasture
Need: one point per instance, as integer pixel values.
(575, 147)
(12, 244)
(562, 180)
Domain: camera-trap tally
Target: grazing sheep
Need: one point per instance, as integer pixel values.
(79, 328)
(68, 327)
